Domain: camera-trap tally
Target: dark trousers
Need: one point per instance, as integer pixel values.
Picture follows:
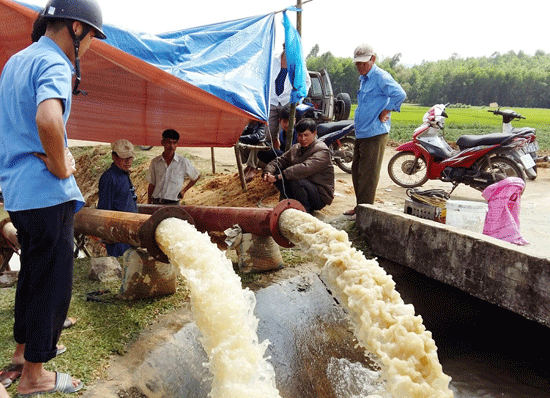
(366, 166)
(304, 191)
(45, 279)
(268, 156)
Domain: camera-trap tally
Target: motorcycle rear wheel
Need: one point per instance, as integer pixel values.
(347, 145)
(505, 167)
(407, 171)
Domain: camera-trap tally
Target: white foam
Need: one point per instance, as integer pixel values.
(383, 324)
(223, 311)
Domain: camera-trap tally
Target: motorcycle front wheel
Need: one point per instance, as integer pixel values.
(344, 161)
(502, 167)
(407, 171)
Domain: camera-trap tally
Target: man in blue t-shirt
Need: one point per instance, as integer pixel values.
(36, 175)
(116, 191)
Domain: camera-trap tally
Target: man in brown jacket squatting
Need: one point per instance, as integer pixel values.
(304, 172)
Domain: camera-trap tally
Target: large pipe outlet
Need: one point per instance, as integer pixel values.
(132, 228)
(257, 221)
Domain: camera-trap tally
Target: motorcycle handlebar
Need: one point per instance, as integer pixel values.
(507, 115)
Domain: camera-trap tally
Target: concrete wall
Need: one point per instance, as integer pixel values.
(496, 271)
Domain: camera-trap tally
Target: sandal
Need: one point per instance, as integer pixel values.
(349, 212)
(10, 374)
(69, 323)
(63, 384)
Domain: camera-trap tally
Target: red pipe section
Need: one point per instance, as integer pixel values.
(138, 229)
(257, 221)
(132, 228)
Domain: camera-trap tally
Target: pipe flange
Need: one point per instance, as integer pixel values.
(148, 229)
(274, 220)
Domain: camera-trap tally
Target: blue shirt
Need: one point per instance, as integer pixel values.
(116, 191)
(378, 91)
(39, 72)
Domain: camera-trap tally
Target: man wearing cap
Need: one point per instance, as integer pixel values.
(168, 171)
(116, 191)
(379, 94)
(36, 174)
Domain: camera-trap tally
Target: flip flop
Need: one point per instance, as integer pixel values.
(349, 212)
(69, 323)
(63, 384)
(10, 374)
(60, 350)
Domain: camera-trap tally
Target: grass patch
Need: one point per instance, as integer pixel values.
(293, 257)
(102, 329)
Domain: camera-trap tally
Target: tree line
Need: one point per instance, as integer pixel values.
(511, 79)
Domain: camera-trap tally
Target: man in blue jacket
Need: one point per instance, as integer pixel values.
(116, 191)
(379, 95)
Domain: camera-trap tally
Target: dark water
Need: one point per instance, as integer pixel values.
(487, 350)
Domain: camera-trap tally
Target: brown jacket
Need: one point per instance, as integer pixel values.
(312, 162)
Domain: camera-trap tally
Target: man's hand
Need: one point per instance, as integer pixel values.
(70, 163)
(384, 116)
(268, 177)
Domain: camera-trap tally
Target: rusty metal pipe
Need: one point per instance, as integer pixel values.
(132, 228)
(257, 221)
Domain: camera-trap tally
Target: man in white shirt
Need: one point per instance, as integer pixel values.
(167, 173)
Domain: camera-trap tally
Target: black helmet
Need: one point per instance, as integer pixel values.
(87, 11)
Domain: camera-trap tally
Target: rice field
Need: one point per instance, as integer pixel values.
(470, 120)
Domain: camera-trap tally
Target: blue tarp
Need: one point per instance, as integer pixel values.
(231, 60)
(297, 70)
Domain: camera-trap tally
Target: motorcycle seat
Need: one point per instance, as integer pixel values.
(327, 128)
(522, 130)
(470, 141)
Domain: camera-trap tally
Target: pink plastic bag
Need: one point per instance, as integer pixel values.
(502, 220)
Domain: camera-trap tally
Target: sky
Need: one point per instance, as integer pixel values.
(420, 30)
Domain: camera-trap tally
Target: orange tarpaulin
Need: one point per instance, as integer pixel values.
(129, 98)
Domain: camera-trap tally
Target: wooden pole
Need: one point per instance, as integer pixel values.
(292, 113)
(213, 160)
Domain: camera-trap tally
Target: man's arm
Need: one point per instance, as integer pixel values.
(106, 193)
(188, 186)
(150, 190)
(51, 129)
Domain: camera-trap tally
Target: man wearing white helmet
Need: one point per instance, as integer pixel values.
(36, 174)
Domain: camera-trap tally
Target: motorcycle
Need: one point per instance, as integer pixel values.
(530, 149)
(340, 139)
(480, 161)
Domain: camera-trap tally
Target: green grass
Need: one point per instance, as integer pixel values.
(469, 120)
(102, 329)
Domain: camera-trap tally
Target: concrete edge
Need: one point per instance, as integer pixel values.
(502, 273)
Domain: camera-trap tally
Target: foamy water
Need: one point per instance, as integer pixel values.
(383, 324)
(222, 310)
